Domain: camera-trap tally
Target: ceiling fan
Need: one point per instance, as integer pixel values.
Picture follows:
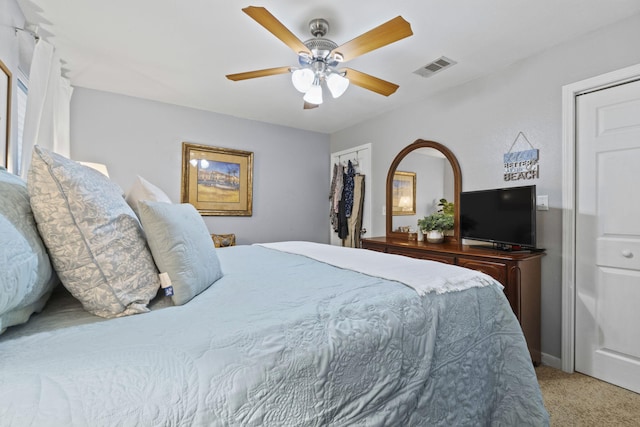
(319, 58)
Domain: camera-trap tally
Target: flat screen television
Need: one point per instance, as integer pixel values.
(503, 216)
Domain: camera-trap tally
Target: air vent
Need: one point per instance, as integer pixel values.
(435, 66)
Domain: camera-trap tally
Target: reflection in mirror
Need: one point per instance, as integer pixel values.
(437, 176)
(434, 180)
(404, 193)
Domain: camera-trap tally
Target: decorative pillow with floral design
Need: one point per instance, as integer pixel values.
(95, 240)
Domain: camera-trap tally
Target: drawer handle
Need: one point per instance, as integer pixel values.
(627, 253)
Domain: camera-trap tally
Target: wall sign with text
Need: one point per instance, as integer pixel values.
(521, 164)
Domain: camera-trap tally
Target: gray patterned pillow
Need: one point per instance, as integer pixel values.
(94, 239)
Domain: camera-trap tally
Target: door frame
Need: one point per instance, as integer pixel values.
(569, 94)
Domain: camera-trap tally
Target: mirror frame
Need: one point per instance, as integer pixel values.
(457, 187)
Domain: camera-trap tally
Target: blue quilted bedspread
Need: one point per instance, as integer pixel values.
(280, 340)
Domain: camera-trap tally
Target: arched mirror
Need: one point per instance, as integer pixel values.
(420, 175)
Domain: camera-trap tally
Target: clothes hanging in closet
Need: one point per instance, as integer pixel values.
(343, 224)
(335, 195)
(355, 220)
(347, 192)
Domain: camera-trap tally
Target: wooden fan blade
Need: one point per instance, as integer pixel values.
(371, 83)
(263, 17)
(387, 33)
(309, 106)
(258, 73)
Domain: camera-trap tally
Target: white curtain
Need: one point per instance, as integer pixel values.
(47, 119)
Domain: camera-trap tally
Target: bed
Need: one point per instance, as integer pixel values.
(288, 334)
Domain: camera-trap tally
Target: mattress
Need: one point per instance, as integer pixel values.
(281, 339)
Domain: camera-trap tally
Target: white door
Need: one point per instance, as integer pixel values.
(362, 156)
(607, 331)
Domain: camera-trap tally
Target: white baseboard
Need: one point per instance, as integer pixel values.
(554, 362)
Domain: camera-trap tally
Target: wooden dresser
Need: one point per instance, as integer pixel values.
(519, 272)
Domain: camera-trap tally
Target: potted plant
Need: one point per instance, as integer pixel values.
(446, 207)
(433, 226)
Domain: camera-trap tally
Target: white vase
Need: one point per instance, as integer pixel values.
(434, 236)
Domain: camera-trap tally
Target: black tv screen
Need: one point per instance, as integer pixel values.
(505, 216)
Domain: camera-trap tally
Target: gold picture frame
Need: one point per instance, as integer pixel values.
(5, 112)
(217, 181)
(404, 193)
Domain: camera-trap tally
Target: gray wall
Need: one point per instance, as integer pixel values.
(138, 137)
(479, 121)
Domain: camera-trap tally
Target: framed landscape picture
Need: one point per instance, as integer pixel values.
(5, 113)
(217, 181)
(404, 193)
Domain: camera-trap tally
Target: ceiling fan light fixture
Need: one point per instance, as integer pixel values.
(314, 95)
(337, 84)
(302, 79)
(318, 57)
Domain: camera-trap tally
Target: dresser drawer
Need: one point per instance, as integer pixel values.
(447, 259)
(496, 270)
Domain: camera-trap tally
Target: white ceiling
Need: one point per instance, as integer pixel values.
(179, 51)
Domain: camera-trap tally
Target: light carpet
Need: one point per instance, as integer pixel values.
(579, 400)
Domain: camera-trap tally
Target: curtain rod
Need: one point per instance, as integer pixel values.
(32, 33)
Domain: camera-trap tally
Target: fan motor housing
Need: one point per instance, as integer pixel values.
(318, 27)
(319, 46)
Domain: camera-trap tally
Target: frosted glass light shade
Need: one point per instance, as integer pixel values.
(337, 84)
(314, 95)
(302, 79)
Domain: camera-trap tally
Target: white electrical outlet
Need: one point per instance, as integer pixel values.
(542, 203)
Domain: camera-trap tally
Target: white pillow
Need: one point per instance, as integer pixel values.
(181, 246)
(95, 240)
(144, 190)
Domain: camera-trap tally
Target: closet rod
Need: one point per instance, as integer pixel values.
(355, 162)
